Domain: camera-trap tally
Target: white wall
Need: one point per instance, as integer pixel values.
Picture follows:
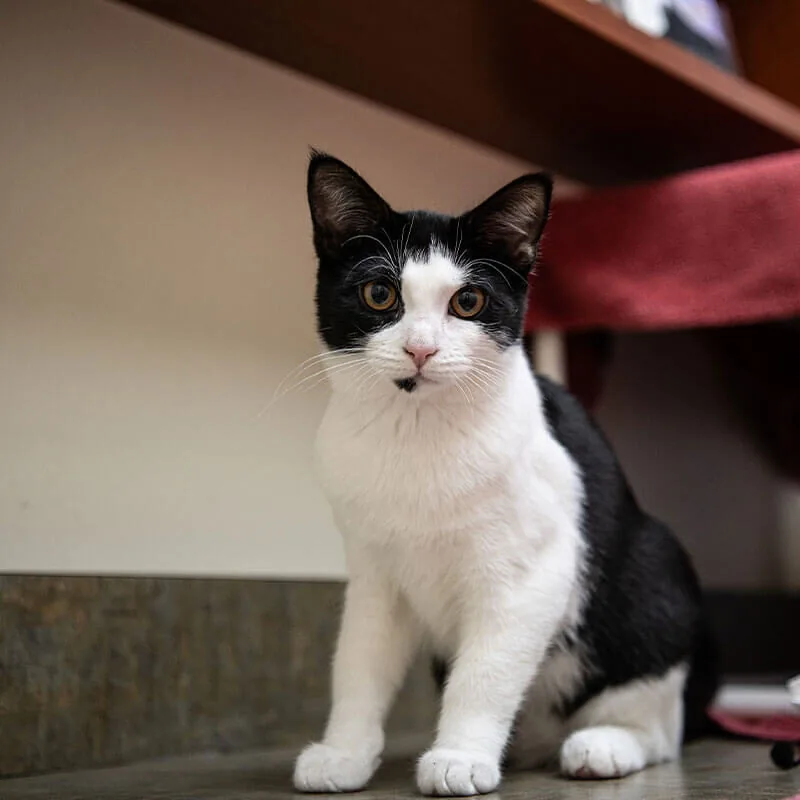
(156, 281)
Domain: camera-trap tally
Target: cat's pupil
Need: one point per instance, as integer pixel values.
(379, 293)
(467, 300)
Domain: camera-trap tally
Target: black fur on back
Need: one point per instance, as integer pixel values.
(643, 612)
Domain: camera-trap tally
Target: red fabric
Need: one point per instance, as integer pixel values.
(719, 246)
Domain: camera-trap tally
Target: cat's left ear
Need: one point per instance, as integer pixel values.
(343, 205)
(513, 219)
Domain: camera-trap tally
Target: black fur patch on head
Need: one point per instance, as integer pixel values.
(359, 238)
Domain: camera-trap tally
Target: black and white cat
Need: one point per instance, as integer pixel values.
(485, 517)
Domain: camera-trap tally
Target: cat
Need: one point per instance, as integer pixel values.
(485, 517)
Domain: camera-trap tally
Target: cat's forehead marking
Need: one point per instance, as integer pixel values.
(426, 281)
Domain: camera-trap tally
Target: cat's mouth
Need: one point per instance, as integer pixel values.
(413, 382)
(407, 384)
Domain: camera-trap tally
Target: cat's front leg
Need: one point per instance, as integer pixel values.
(507, 632)
(376, 643)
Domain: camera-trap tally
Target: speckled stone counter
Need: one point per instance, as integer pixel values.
(97, 671)
(711, 770)
(105, 671)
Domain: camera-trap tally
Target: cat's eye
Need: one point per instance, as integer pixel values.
(468, 302)
(379, 295)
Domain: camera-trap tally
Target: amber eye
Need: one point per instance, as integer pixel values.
(468, 302)
(378, 295)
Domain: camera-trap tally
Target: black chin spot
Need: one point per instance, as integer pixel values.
(407, 384)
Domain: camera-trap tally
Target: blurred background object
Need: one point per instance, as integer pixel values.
(701, 26)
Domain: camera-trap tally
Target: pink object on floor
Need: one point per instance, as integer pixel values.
(772, 728)
(718, 246)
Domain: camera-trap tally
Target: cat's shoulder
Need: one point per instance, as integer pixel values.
(574, 427)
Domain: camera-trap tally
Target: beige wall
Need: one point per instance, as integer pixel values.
(156, 280)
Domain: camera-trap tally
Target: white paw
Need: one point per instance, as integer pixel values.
(602, 752)
(456, 773)
(321, 768)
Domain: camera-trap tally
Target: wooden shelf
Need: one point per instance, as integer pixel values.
(564, 83)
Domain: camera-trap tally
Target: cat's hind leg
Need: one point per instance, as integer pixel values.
(626, 728)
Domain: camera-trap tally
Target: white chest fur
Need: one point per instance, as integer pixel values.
(451, 502)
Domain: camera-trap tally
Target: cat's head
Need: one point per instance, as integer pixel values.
(415, 301)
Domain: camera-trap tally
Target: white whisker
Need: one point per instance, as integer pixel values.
(315, 359)
(408, 239)
(398, 247)
(473, 380)
(364, 260)
(361, 377)
(468, 399)
(392, 262)
(282, 390)
(482, 262)
(320, 373)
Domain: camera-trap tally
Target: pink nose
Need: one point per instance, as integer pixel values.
(421, 353)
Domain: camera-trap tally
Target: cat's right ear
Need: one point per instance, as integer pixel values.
(343, 205)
